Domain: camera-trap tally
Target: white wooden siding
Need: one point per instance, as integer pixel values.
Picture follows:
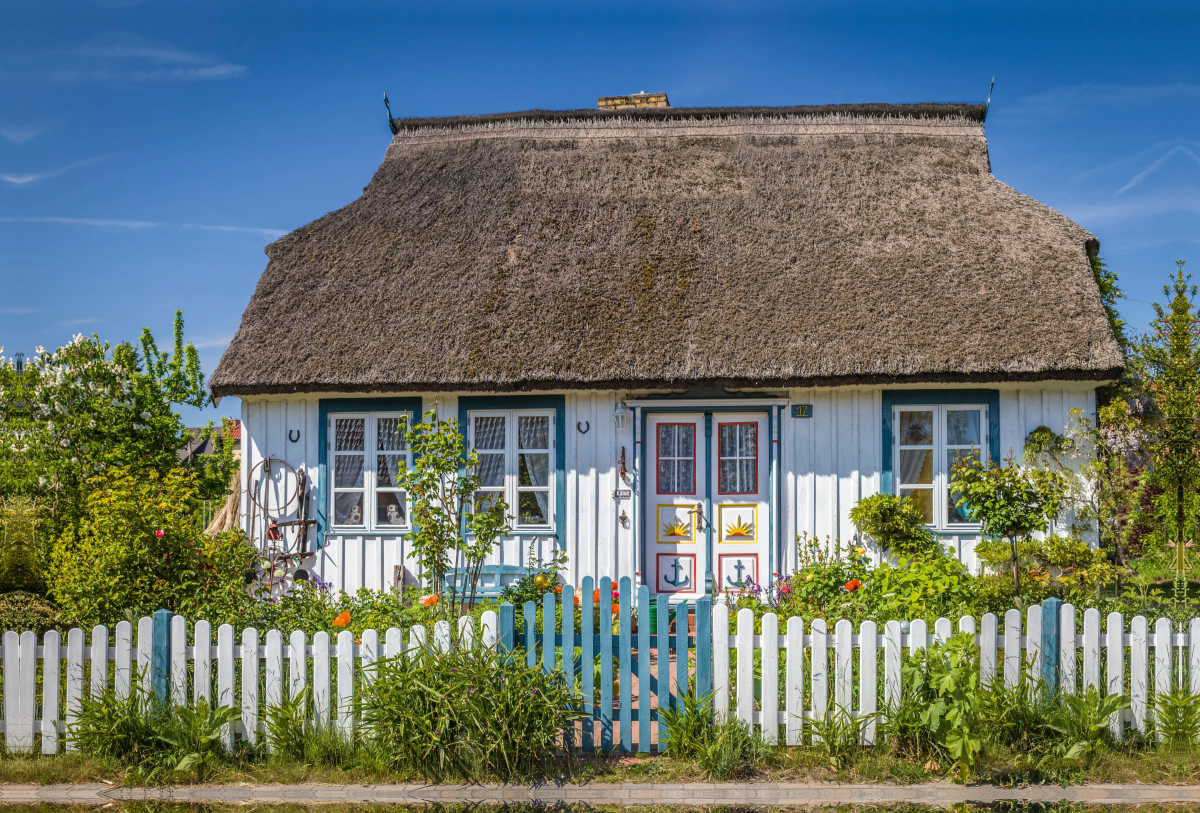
(827, 463)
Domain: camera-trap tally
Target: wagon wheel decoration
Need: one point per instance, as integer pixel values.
(274, 486)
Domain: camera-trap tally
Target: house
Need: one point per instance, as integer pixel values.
(202, 444)
(677, 337)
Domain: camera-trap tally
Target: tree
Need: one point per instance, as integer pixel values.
(1011, 502)
(1167, 360)
(442, 485)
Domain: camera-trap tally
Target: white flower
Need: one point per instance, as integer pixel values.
(145, 416)
(42, 481)
(40, 349)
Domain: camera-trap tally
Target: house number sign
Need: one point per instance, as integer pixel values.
(802, 410)
(622, 494)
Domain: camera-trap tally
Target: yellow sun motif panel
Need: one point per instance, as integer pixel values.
(738, 523)
(675, 525)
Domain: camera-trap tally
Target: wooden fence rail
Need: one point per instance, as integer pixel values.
(774, 680)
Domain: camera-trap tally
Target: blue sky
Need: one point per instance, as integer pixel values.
(149, 150)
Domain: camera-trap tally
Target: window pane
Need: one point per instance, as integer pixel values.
(347, 471)
(666, 477)
(389, 434)
(388, 468)
(727, 477)
(532, 507)
(489, 432)
(484, 500)
(923, 499)
(687, 440)
(534, 469)
(347, 509)
(491, 469)
(666, 440)
(955, 514)
(916, 465)
(533, 432)
(685, 477)
(916, 428)
(348, 434)
(748, 440)
(389, 508)
(729, 441)
(748, 475)
(962, 427)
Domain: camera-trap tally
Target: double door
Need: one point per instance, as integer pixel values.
(707, 507)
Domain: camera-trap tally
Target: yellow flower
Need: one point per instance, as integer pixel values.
(808, 578)
(861, 551)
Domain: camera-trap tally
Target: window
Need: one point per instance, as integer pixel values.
(514, 449)
(676, 458)
(367, 454)
(737, 458)
(929, 439)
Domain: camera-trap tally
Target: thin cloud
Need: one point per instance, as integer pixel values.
(99, 222)
(1109, 95)
(1130, 209)
(19, 135)
(118, 57)
(1154, 166)
(33, 177)
(222, 342)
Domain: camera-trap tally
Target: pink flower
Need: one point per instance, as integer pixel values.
(160, 533)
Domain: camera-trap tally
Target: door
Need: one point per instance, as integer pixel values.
(719, 460)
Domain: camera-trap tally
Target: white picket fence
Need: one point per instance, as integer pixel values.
(811, 655)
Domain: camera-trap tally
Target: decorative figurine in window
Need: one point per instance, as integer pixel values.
(355, 515)
(393, 514)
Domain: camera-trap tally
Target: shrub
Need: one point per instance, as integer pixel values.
(895, 523)
(470, 714)
(138, 550)
(724, 750)
(21, 611)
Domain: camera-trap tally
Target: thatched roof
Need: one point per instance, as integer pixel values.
(680, 248)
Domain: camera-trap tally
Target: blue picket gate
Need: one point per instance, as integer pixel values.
(644, 656)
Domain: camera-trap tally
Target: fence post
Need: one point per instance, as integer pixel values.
(1051, 613)
(508, 620)
(704, 660)
(160, 655)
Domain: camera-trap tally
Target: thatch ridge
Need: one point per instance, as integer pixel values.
(923, 110)
(742, 251)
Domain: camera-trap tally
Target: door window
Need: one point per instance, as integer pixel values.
(676, 458)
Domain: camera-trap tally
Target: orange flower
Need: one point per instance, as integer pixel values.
(429, 600)
(853, 585)
(578, 600)
(342, 620)
(558, 589)
(596, 596)
(616, 608)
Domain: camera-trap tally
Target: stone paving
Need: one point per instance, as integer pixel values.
(759, 794)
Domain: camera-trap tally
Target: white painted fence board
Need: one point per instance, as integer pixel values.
(394, 640)
(12, 691)
(345, 686)
(1033, 642)
(720, 633)
(99, 661)
(250, 685)
(321, 688)
(820, 672)
(145, 638)
(1139, 658)
(1091, 649)
(1012, 648)
(1194, 657)
(1162, 657)
(987, 648)
(51, 668)
(967, 624)
(490, 623)
(745, 666)
(794, 675)
(942, 630)
(122, 671)
(225, 678)
(369, 655)
(27, 686)
(202, 662)
(770, 678)
(918, 636)
(74, 683)
(893, 648)
(843, 661)
(178, 665)
(273, 672)
(1115, 660)
(867, 683)
(441, 636)
(1066, 649)
(298, 665)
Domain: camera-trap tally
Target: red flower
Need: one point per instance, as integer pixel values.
(853, 585)
(160, 533)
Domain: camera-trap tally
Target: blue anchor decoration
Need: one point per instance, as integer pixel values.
(739, 567)
(677, 582)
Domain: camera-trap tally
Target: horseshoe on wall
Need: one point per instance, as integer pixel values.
(294, 439)
(583, 430)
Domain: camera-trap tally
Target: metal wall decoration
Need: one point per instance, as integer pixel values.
(284, 542)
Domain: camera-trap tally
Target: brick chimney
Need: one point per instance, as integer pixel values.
(633, 101)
